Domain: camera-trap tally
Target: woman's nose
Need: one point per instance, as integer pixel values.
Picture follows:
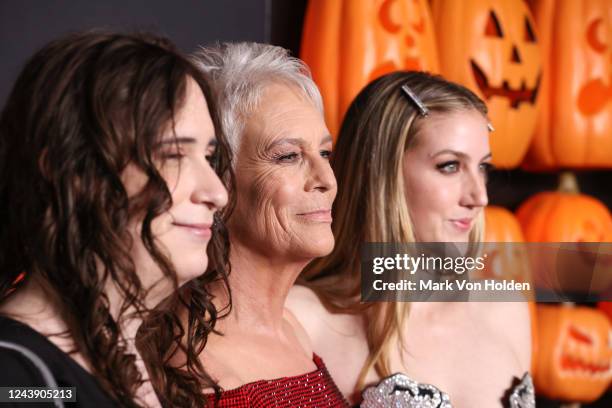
(475, 193)
(321, 176)
(210, 190)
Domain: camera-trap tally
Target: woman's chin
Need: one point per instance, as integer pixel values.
(185, 273)
(320, 247)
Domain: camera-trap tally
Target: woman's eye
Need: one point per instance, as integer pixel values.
(326, 154)
(448, 167)
(211, 158)
(487, 167)
(286, 158)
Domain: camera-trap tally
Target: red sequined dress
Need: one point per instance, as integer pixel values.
(315, 389)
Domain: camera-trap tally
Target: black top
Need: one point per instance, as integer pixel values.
(19, 371)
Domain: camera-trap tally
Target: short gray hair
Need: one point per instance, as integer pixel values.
(239, 72)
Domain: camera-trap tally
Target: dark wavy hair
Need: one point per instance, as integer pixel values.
(84, 107)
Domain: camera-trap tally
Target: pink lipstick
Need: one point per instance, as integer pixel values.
(199, 230)
(317, 216)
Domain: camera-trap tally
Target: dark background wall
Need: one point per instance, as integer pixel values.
(26, 25)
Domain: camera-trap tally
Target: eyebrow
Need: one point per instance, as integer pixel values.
(183, 140)
(458, 154)
(327, 139)
(296, 141)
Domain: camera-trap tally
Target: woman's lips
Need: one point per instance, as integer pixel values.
(462, 224)
(199, 230)
(318, 215)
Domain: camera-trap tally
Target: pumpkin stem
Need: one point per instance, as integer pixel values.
(568, 183)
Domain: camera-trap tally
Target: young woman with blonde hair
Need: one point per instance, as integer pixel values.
(411, 163)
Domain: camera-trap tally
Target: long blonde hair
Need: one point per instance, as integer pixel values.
(380, 125)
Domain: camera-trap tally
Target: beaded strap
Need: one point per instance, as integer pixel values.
(399, 391)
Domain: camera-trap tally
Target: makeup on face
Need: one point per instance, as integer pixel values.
(445, 176)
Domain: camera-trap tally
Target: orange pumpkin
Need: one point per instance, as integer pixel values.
(491, 47)
(501, 226)
(575, 123)
(606, 307)
(565, 216)
(504, 261)
(576, 364)
(570, 217)
(347, 44)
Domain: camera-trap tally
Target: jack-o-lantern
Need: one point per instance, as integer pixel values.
(491, 47)
(575, 123)
(566, 216)
(575, 353)
(347, 44)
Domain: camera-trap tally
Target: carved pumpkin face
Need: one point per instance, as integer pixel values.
(347, 44)
(575, 124)
(403, 36)
(596, 93)
(575, 353)
(491, 47)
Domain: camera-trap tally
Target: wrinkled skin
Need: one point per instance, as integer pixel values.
(285, 186)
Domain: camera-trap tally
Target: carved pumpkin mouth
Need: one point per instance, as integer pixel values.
(515, 96)
(580, 354)
(574, 363)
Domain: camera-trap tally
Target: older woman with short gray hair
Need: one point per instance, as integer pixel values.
(272, 115)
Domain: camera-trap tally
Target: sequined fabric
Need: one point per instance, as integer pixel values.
(312, 390)
(523, 395)
(399, 391)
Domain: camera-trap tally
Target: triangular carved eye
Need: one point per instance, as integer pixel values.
(529, 33)
(493, 28)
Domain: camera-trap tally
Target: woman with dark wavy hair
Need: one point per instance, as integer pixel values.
(109, 145)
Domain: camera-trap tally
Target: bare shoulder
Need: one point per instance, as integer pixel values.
(512, 321)
(338, 338)
(319, 322)
(301, 296)
(299, 331)
(305, 305)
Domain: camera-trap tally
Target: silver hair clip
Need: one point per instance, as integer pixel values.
(490, 127)
(422, 109)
